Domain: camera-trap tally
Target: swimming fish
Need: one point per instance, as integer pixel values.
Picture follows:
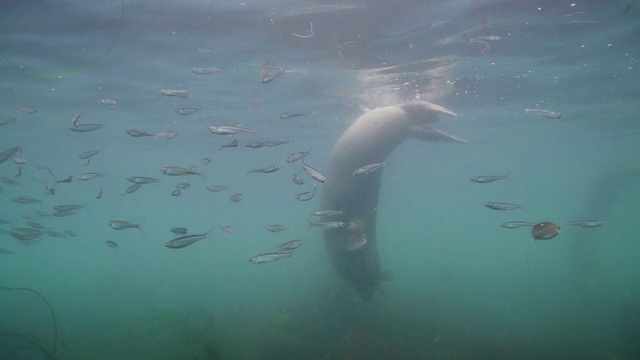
(230, 129)
(315, 174)
(585, 223)
(516, 224)
(544, 113)
(289, 245)
(503, 206)
(185, 240)
(179, 171)
(269, 257)
(368, 169)
(182, 94)
(276, 228)
(123, 225)
(488, 178)
(306, 196)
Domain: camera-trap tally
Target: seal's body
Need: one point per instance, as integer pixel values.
(352, 249)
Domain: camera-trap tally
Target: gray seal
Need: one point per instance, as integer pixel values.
(352, 249)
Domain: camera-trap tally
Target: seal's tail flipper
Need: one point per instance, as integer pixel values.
(428, 133)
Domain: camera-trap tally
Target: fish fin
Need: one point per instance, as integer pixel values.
(428, 133)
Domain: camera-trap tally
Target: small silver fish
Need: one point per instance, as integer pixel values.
(488, 178)
(485, 38)
(186, 111)
(109, 102)
(503, 206)
(217, 188)
(290, 245)
(26, 199)
(236, 198)
(286, 115)
(182, 94)
(185, 240)
(63, 213)
(179, 171)
(133, 188)
(269, 257)
(315, 174)
(55, 234)
(230, 129)
(205, 71)
(516, 224)
(205, 161)
(142, 180)
(28, 110)
(68, 179)
(297, 156)
(267, 169)
(179, 230)
(586, 223)
(123, 225)
(166, 135)
(232, 144)
(89, 176)
(276, 228)
(4, 120)
(89, 154)
(183, 186)
(75, 119)
(99, 194)
(9, 153)
(269, 78)
(327, 224)
(36, 225)
(326, 213)
(368, 169)
(176, 192)
(255, 144)
(297, 179)
(18, 160)
(544, 113)
(137, 133)
(86, 127)
(111, 244)
(72, 207)
(306, 196)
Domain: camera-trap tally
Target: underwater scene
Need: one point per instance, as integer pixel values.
(319, 179)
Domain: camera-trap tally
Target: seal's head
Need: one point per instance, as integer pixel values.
(545, 230)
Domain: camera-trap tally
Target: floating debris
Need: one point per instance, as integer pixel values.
(545, 231)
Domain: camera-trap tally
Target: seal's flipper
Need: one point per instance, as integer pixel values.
(425, 112)
(428, 133)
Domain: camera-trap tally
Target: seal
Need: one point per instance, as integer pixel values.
(352, 249)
